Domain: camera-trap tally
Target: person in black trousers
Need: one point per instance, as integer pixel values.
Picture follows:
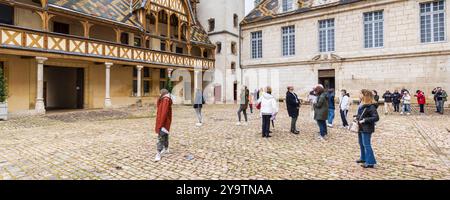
(293, 106)
(396, 100)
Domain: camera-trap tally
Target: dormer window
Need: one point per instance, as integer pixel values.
(288, 5)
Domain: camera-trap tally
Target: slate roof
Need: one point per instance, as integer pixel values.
(269, 9)
(119, 11)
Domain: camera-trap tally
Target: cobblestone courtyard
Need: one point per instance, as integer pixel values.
(120, 144)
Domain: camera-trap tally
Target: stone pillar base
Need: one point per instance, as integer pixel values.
(39, 107)
(108, 103)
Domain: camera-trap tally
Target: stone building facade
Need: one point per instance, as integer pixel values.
(221, 18)
(99, 54)
(348, 44)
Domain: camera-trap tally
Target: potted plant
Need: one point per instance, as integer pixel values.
(3, 97)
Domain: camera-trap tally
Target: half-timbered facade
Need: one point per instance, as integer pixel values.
(68, 54)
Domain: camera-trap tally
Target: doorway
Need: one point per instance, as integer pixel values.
(63, 88)
(327, 78)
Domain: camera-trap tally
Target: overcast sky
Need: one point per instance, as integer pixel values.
(248, 6)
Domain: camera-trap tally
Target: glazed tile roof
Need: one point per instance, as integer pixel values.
(120, 11)
(269, 9)
(115, 10)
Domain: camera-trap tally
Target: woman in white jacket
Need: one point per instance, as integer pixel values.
(344, 106)
(269, 108)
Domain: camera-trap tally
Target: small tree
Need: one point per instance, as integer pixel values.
(3, 87)
(168, 85)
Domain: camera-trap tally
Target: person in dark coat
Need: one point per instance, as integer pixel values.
(396, 100)
(321, 110)
(387, 96)
(293, 106)
(367, 117)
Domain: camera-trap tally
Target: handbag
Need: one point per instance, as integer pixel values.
(354, 127)
(258, 106)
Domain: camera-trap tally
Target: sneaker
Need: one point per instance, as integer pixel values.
(321, 138)
(401, 113)
(157, 157)
(238, 123)
(198, 124)
(330, 125)
(408, 113)
(164, 151)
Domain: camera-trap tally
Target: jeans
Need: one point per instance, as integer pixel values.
(293, 124)
(365, 146)
(241, 109)
(344, 117)
(441, 106)
(198, 112)
(266, 125)
(163, 141)
(330, 115)
(396, 107)
(407, 108)
(322, 127)
(422, 108)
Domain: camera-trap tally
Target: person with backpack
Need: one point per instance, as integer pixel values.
(321, 110)
(163, 123)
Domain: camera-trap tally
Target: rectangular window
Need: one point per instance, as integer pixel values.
(163, 46)
(233, 48)
(6, 14)
(145, 81)
(235, 20)
(162, 84)
(326, 35)
(146, 72)
(288, 35)
(162, 73)
(137, 41)
(59, 27)
(287, 5)
(219, 47)
(124, 38)
(146, 87)
(373, 29)
(212, 24)
(256, 44)
(432, 21)
(179, 50)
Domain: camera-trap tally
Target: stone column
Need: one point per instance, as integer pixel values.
(108, 103)
(40, 106)
(139, 85)
(198, 79)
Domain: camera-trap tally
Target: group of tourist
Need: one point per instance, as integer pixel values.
(403, 100)
(322, 111)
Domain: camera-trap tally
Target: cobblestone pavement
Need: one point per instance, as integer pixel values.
(120, 144)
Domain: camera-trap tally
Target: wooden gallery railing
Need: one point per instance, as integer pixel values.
(28, 39)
